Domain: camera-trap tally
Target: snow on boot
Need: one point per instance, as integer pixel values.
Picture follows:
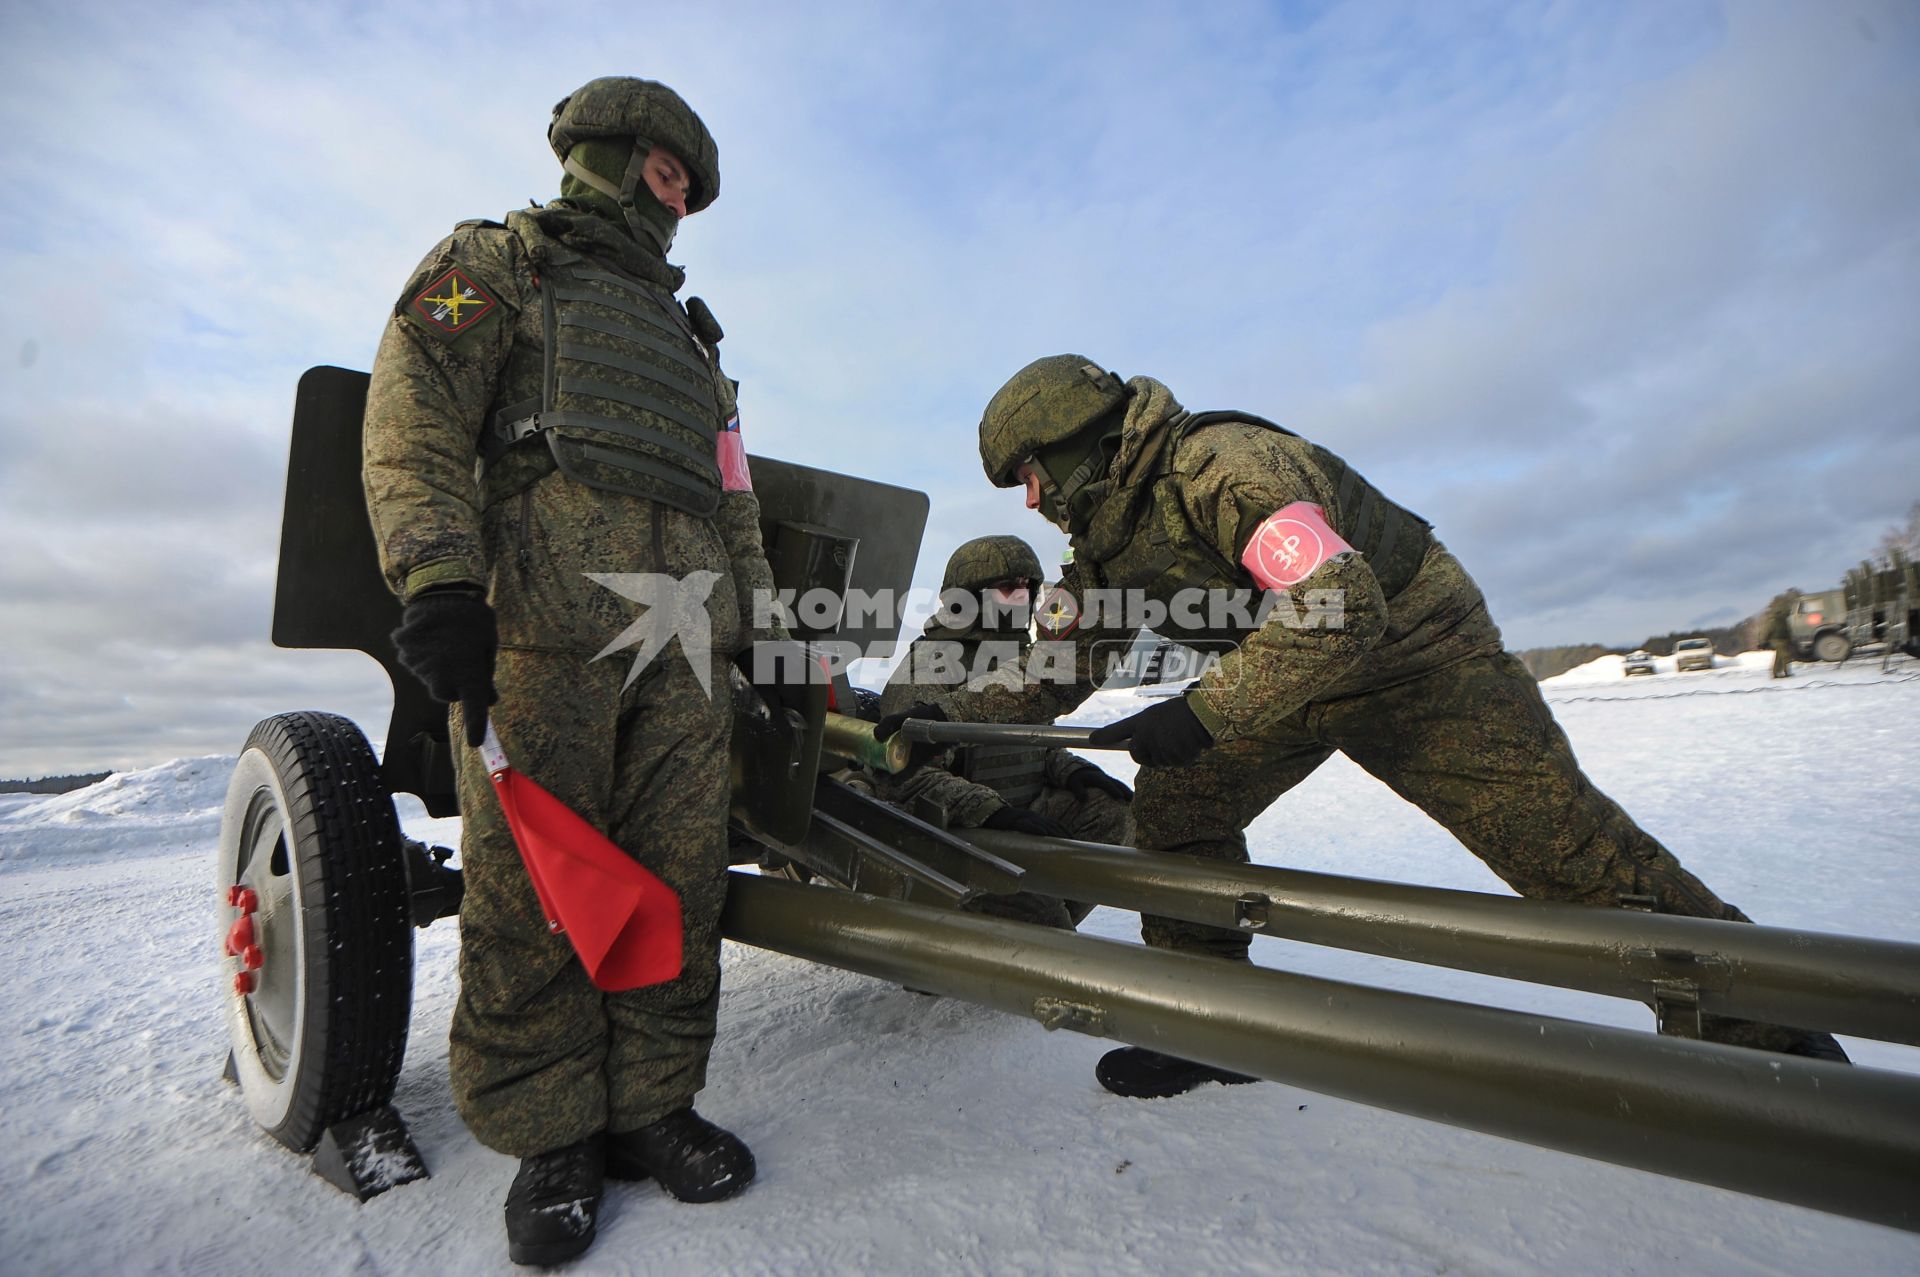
(692, 1158)
(1140, 1074)
(554, 1202)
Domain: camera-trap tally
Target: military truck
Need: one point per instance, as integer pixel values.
(1817, 626)
(1882, 599)
(317, 892)
(1876, 609)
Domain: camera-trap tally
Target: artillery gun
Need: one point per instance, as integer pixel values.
(320, 893)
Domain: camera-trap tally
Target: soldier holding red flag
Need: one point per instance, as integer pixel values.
(548, 423)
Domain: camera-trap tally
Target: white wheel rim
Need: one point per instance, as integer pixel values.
(267, 1028)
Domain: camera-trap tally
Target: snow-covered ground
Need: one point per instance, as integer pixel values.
(905, 1134)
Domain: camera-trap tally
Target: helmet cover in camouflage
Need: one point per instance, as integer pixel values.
(984, 560)
(622, 106)
(1049, 400)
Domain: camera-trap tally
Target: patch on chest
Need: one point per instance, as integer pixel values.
(1290, 545)
(452, 303)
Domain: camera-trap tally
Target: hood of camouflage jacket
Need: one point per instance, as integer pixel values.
(1123, 492)
(580, 227)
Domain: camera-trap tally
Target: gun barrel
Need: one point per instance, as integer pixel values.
(1844, 984)
(1809, 1132)
(852, 738)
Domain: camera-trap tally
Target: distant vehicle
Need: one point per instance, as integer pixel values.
(1637, 662)
(1883, 605)
(1877, 608)
(1817, 626)
(1693, 654)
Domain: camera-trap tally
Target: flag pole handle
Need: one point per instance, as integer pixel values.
(491, 755)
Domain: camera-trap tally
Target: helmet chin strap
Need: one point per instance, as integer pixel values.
(657, 233)
(1070, 500)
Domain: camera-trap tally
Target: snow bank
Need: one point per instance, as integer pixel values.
(156, 811)
(905, 1134)
(1610, 669)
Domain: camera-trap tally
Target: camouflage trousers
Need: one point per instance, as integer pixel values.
(1099, 818)
(1474, 746)
(1782, 658)
(540, 1057)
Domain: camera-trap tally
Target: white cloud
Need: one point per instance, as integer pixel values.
(1591, 289)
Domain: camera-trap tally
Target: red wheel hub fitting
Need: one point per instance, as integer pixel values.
(240, 937)
(241, 942)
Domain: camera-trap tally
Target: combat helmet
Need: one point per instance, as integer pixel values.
(1047, 402)
(984, 560)
(651, 114)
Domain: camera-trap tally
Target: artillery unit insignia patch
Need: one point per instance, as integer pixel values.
(452, 303)
(1058, 614)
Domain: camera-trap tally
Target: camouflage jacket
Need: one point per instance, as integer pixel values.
(1778, 628)
(438, 382)
(1210, 492)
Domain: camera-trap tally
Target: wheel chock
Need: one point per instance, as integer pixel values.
(368, 1154)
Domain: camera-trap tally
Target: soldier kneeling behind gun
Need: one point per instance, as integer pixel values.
(1414, 685)
(980, 633)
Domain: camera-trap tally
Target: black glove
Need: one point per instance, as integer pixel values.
(920, 751)
(1087, 779)
(886, 727)
(447, 639)
(1165, 735)
(1022, 821)
(785, 661)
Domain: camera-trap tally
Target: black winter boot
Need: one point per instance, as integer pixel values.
(1140, 1074)
(554, 1202)
(1758, 1035)
(692, 1158)
(1819, 1046)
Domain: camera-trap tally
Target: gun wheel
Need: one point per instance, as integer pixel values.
(314, 923)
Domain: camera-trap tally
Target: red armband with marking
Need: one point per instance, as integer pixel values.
(731, 452)
(1290, 545)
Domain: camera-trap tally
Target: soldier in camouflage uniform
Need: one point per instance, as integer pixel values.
(982, 628)
(1779, 637)
(544, 408)
(1378, 644)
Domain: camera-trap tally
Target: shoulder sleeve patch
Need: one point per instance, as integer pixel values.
(1058, 615)
(1290, 545)
(452, 303)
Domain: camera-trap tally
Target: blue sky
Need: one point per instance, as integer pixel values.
(1623, 296)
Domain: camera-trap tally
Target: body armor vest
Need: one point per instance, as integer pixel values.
(627, 397)
(1015, 772)
(1167, 555)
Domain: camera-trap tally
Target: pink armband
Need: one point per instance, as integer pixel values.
(1290, 544)
(731, 453)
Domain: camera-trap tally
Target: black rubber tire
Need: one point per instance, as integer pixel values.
(309, 825)
(1832, 646)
